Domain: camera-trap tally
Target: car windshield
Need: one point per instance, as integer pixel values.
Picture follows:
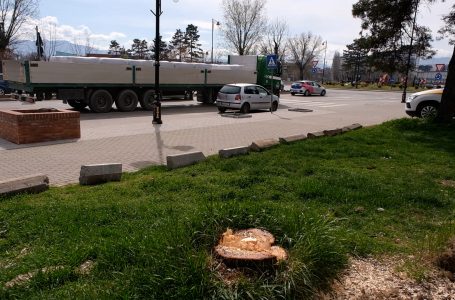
(230, 89)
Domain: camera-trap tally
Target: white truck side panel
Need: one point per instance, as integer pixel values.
(171, 74)
(79, 73)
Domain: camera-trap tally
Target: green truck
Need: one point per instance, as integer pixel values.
(98, 83)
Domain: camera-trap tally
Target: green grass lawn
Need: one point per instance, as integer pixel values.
(152, 235)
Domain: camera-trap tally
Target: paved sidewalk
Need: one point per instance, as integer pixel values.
(132, 139)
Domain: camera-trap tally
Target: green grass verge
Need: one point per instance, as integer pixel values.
(152, 235)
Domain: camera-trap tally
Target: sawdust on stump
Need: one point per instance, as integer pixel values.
(249, 247)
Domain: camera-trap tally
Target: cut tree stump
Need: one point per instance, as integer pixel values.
(248, 248)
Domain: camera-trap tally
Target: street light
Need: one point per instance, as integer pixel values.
(157, 102)
(213, 26)
(323, 68)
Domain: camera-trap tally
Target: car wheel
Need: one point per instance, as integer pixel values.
(2, 92)
(274, 106)
(222, 109)
(323, 93)
(428, 110)
(77, 104)
(245, 108)
(101, 101)
(127, 100)
(307, 93)
(293, 94)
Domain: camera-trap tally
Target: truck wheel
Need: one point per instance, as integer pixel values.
(39, 96)
(48, 96)
(147, 100)
(77, 104)
(101, 101)
(127, 100)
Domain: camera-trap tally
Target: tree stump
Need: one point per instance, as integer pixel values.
(249, 247)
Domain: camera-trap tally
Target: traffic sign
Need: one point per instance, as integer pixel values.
(438, 76)
(440, 67)
(272, 62)
(315, 63)
(314, 70)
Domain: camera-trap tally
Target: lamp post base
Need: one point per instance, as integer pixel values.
(157, 113)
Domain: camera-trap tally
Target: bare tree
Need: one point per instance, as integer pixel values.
(13, 15)
(244, 24)
(275, 41)
(304, 49)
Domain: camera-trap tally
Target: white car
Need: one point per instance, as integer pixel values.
(245, 97)
(424, 104)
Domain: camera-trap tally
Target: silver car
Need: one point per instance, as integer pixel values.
(245, 97)
(307, 87)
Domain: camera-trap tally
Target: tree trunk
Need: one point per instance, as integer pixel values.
(447, 108)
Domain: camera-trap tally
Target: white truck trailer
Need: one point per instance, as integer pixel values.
(100, 82)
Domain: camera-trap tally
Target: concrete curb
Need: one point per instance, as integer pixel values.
(263, 144)
(29, 184)
(292, 138)
(352, 127)
(230, 152)
(100, 173)
(333, 132)
(315, 135)
(185, 159)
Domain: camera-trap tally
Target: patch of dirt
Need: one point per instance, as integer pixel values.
(369, 278)
(25, 278)
(446, 260)
(450, 183)
(86, 268)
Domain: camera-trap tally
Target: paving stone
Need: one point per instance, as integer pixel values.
(263, 144)
(185, 159)
(351, 127)
(292, 138)
(27, 184)
(100, 173)
(230, 152)
(333, 132)
(315, 135)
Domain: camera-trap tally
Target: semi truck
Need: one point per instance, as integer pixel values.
(98, 83)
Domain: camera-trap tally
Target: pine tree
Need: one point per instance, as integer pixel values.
(191, 40)
(177, 45)
(164, 50)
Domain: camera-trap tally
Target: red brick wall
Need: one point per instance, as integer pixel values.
(33, 126)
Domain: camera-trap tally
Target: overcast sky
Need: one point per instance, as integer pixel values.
(124, 20)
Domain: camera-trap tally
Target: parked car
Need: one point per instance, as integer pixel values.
(245, 97)
(4, 87)
(307, 87)
(424, 104)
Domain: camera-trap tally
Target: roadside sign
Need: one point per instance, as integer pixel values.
(315, 63)
(314, 70)
(438, 76)
(272, 62)
(440, 67)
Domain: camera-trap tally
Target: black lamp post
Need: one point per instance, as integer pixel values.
(157, 102)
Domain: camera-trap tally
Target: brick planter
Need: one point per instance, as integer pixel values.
(22, 126)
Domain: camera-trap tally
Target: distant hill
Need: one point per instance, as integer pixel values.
(434, 61)
(25, 47)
